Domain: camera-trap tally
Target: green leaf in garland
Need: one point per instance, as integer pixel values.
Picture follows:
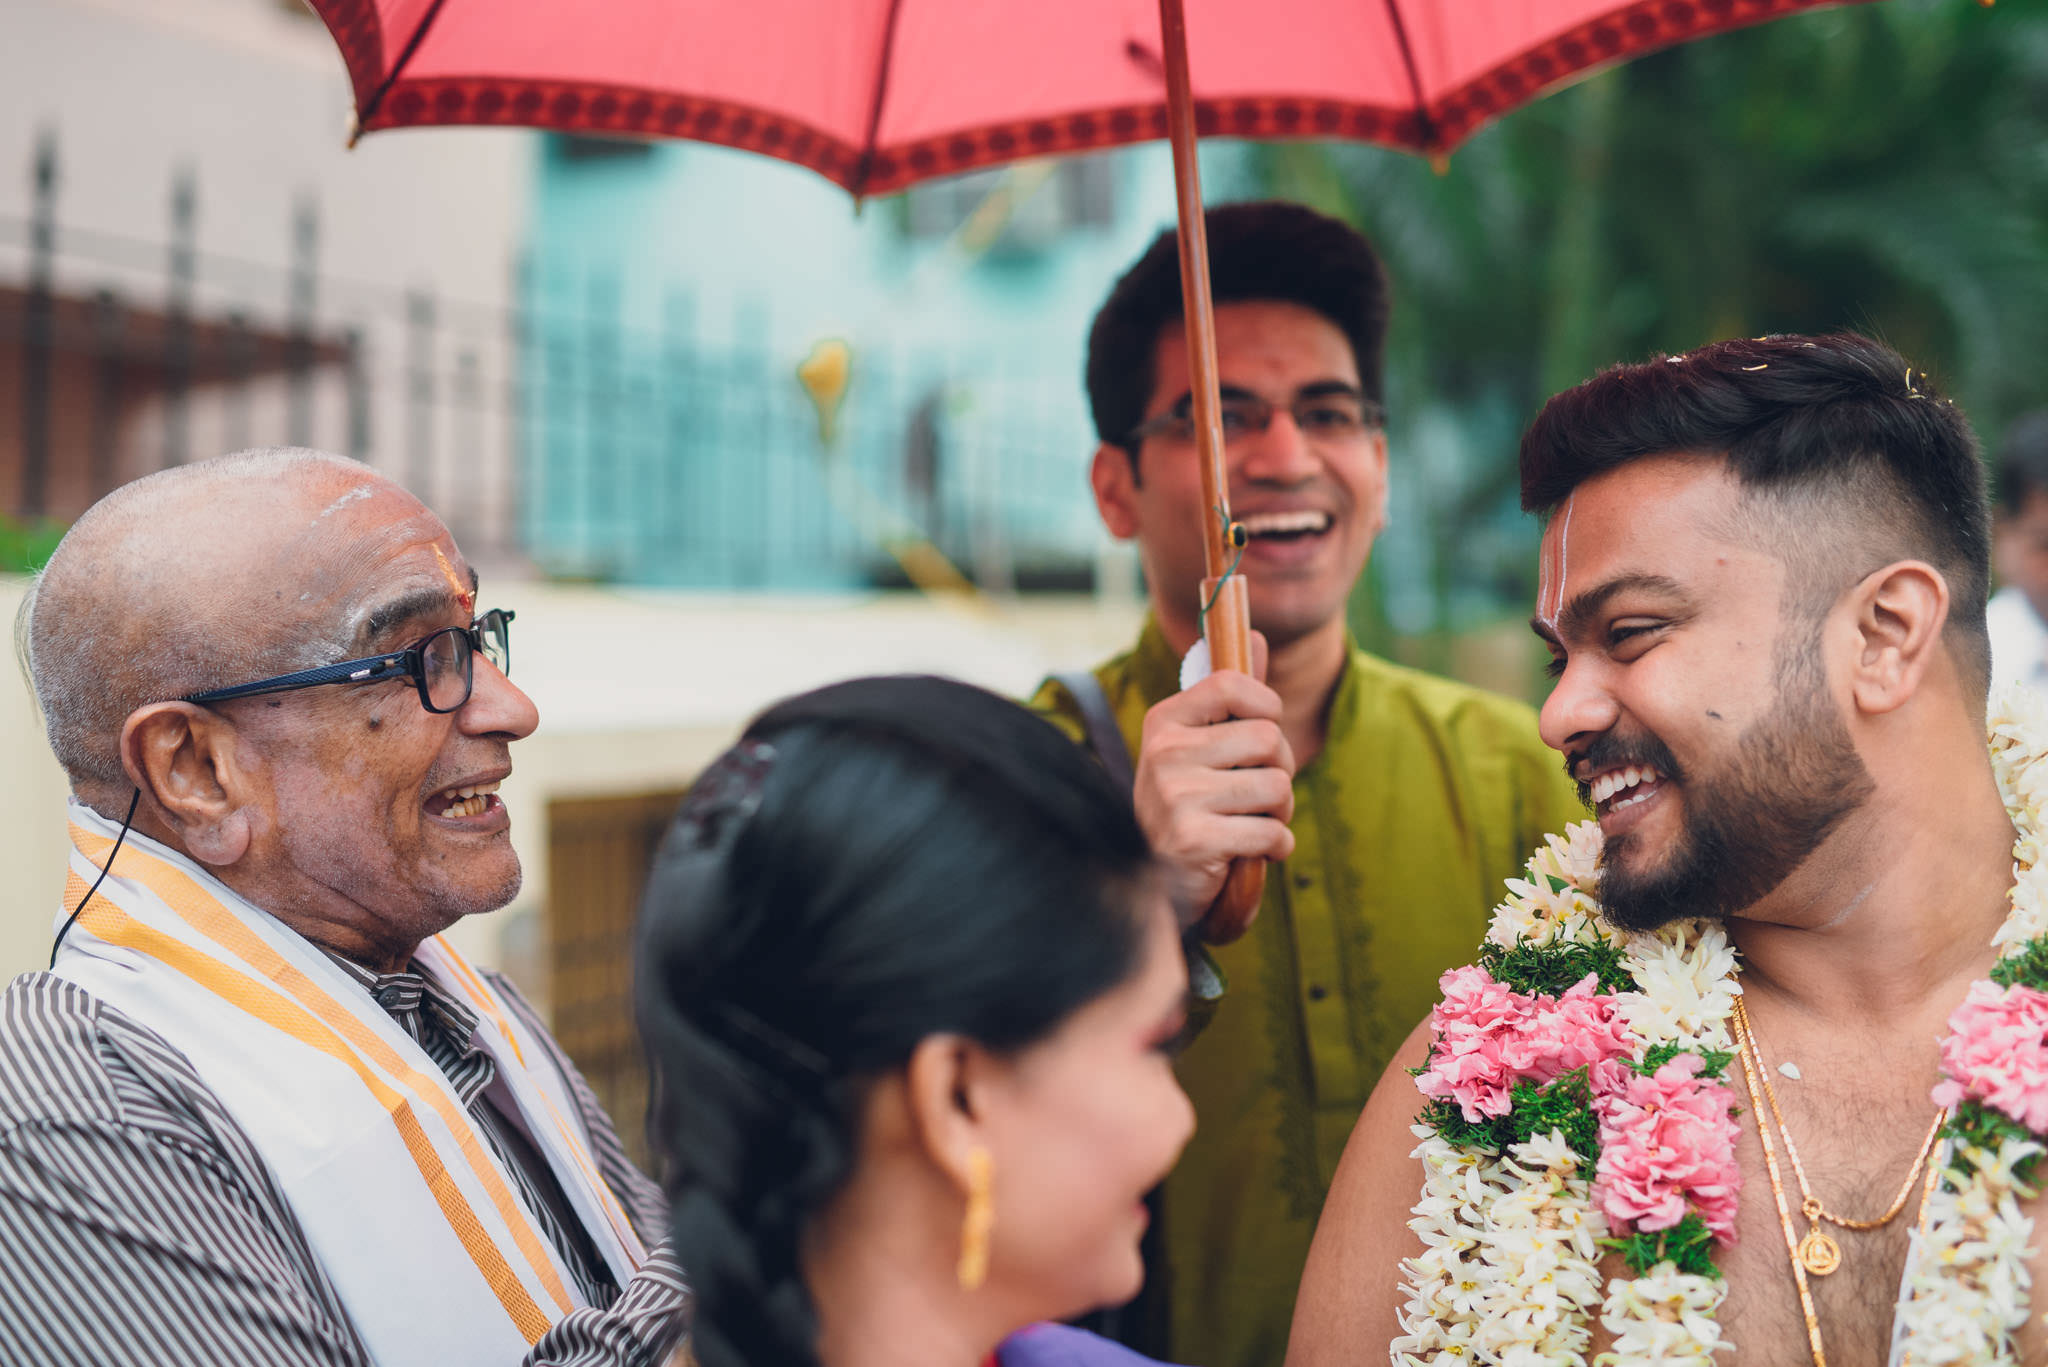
(1443, 1115)
(1975, 1125)
(1713, 1062)
(1689, 1244)
(2027, 968)
(1556, 967)
(1564, 1104)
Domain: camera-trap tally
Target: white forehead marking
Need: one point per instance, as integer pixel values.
(1549, 595)
(361, 491)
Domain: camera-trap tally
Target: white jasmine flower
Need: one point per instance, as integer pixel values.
(1686, 979)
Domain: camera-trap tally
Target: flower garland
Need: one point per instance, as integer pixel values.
(1968, 1289)
(1576, 1105)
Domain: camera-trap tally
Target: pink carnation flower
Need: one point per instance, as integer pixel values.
(1489, 1037)
(1997, 1052)
(1666, 1142)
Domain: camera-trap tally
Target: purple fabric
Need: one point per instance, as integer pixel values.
(1060, 1345)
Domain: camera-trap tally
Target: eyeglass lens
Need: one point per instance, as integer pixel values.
(496, 632)
(1320, 414)
(445, 663)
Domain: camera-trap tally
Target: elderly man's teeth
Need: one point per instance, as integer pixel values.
(472, 801)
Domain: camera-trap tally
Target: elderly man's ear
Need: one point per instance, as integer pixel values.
(184, 758)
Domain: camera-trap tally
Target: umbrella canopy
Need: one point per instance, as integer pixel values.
(878, 94)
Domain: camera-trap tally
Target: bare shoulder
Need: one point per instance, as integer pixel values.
(1347, 1311)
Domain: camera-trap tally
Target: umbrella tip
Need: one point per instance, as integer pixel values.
(354, 130)
(1440, 162)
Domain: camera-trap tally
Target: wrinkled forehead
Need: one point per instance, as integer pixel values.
(354, 547)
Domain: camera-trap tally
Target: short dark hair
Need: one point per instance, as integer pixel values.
(920, 857)
(1266, 250)
(2023, 461)
(1839, 420)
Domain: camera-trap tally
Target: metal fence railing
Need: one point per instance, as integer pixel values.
(541, 427)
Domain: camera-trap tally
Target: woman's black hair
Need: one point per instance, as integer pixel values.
(876, 862)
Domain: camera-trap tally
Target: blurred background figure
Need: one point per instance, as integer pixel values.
(2017, 614)
(907, 979)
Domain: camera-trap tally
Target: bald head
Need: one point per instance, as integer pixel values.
(197, 577)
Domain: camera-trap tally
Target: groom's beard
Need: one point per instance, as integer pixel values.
(1792, 778)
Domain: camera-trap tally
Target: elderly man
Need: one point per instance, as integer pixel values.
(1394, 803)
(1763, 589)
(258, 1110)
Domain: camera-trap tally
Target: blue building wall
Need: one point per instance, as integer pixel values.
(672, 291)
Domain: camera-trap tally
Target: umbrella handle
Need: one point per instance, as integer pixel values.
(1227, 626)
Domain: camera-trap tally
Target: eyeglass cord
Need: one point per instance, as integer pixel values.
(72, 920)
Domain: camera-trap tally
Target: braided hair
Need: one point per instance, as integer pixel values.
(874, 863)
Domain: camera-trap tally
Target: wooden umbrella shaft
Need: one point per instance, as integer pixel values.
(1226, 615)
(1196, 308)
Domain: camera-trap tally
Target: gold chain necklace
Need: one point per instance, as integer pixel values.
(1818, 1252)
(1743, 1041)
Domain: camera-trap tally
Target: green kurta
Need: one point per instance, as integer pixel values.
(1426, 795)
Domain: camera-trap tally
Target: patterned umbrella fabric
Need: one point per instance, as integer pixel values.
(878, 94)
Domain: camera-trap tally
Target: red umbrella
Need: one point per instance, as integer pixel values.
(878, 94)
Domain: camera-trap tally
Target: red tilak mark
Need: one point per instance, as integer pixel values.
(464, 596)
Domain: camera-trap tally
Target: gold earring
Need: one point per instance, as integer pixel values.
(979, 1219)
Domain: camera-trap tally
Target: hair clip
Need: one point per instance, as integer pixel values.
(724, 795)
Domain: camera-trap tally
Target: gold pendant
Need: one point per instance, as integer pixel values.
(1819, 1254)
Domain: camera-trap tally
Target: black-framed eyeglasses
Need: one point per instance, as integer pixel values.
(441, 666)
(1336, 415)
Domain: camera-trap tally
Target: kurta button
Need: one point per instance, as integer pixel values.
(1302, 880)
(1316, 992)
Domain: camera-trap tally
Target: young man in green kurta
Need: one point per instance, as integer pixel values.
(1394, 803)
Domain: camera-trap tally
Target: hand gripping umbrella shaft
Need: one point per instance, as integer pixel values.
(1227, 623)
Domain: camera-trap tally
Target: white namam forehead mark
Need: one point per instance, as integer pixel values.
(360, 491)
(1553, 570)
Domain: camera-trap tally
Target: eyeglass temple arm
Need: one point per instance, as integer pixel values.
(347, 671)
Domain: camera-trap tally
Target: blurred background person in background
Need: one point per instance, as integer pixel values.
(2017, 614)
(907, 979)
(1393, 802)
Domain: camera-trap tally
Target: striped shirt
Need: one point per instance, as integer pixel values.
(139, 1225)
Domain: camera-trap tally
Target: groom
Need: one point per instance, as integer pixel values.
(1763, 590)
